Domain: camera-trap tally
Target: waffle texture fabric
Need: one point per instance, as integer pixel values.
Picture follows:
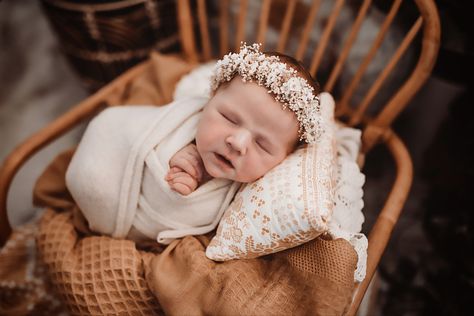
(94, 275)
(97, 275)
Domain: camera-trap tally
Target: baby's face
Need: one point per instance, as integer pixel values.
(244, 132)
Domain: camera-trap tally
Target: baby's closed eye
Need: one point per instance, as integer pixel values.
(264, 145)
(229, 118)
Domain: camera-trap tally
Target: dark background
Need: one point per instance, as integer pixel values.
(437, 276)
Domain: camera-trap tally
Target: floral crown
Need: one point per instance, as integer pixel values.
(282, 81)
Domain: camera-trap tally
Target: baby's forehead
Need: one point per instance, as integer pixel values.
(254, 105)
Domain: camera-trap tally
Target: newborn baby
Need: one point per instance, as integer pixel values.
(243, 132)
(263, 105)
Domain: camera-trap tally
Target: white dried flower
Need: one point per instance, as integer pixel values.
(282, 81)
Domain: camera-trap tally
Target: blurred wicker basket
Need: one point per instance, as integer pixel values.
(103, 38)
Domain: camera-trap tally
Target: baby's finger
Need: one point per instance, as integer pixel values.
(181, 188)
(176, 169)
(187, 165)
(196, 162)
(172, 172)
(185, 179)
(175, 175)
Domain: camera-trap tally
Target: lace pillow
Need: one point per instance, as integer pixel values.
(289, 206)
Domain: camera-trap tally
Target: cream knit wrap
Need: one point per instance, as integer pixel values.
(117, 174)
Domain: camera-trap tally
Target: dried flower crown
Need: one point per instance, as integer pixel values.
(282, 81)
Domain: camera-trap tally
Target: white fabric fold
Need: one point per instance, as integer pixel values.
(117, 174)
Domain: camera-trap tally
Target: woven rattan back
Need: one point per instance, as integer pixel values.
(307, 31)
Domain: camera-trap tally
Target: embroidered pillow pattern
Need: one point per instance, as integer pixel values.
(290, 205)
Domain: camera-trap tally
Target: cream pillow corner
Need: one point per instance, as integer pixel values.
(290, 205)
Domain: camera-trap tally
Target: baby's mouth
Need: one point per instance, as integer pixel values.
(224, 160)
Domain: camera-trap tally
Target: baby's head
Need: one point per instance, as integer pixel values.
(246, 128)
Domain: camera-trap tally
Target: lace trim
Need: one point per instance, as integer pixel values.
(347, 217)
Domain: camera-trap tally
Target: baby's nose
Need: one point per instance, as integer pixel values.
(240, 140)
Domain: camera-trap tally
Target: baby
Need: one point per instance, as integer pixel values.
(144, 172)
(243, 133)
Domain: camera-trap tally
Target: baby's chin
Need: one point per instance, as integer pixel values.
(212, 173)
(215, 173)
(246, 178)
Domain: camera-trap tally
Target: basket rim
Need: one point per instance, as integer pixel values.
(94, 7)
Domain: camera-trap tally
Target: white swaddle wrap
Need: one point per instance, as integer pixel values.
(117, 174)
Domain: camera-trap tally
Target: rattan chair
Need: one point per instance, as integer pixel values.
(196, 17)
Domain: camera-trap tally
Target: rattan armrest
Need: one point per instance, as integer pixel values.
(388, 217)
(52, 131)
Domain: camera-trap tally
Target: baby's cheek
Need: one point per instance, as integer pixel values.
(252, 170)
(214, 127)
(200, 140)
(207, 132)
(262, 165)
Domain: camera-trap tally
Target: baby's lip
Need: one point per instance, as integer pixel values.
(225, 160)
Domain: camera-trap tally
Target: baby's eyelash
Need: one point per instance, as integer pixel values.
(263, 147)
(228, 118)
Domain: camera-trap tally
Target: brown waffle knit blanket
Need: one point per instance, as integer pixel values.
(99, 275)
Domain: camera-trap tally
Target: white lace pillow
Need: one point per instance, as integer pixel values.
(290, 205)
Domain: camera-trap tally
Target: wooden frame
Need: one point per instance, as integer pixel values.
(376, 129)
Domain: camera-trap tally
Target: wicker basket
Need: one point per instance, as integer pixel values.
(102, 39)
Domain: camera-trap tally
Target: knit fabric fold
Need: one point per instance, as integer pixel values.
(116, 176)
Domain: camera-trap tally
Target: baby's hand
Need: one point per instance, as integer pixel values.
(181, 181)
(186, 170)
